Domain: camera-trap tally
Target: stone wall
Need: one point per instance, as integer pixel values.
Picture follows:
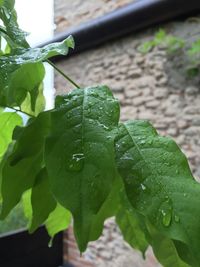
(73, 13)
(151, 87)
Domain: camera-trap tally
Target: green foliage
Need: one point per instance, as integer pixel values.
(15, 221)
(8, 121)
(78, 161)
(172, 43)
(159, 184)
(89, 117)
(190, 50)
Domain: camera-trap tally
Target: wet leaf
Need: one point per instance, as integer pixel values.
(79, 154)
(160, 186)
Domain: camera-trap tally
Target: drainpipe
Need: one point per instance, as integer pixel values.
(133, 17)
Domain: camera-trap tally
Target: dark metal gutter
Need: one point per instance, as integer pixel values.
(130, 18)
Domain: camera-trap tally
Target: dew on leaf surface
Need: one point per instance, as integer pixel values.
(167, 217)
(143, 187)
(177, 218)
(76, 163)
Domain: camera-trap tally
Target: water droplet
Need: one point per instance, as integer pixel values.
(185, 195)
(176, 218)
(143, 187)
(76, 163)
(142, 142)
(50, 244)
(177, 171)
(167, 217)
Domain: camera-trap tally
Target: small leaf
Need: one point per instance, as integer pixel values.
(58, 220)
(146, 47)
(22, 166)
(42, 200)
(195, 48)
(159, 185)
(8, 121)
(79, 154)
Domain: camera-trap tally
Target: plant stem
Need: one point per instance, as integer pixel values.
(63, 74)
(19, 110)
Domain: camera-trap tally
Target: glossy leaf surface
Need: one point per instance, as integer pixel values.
(80, 154)
(159, 184)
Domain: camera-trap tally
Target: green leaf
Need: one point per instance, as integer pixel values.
(132, 225)
(25, 79)
(36, 55)
(160, 37)
(146, 47)
(58, 220)
(22, 166)
(9, 17)
(195, 48)
(38, 102)
(109, 208)
(42, 200)
(3, 161)
(8, 121)
(27, 207)
(23, 72)
(164, 249)
(159, 184)
(80, 156)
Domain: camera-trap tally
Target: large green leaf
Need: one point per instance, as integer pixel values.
(26, 160)
(58, 220)
(42, 200)
(8, 121)
(80, 154)
(159, 184)
(132, 225)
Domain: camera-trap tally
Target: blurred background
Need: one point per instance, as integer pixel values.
(140, 50)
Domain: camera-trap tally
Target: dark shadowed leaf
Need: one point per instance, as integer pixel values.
(22, 166)
(42, 200)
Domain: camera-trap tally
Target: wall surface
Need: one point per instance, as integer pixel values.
(72, 13)
(151, 87)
